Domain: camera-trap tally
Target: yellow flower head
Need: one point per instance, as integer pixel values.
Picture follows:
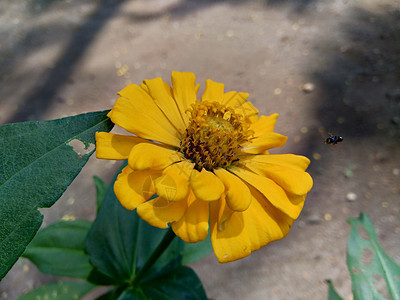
(208, 163)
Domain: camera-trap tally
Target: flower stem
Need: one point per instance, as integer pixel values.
(162, 246)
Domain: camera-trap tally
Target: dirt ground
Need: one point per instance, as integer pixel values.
(323, 65)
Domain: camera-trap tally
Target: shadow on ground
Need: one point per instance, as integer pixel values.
(39, 99)
(35, 104)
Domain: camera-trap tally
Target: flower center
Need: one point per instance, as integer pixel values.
(214, 136)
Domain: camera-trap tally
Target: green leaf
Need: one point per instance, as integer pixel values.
(59, 249)
(120, 243)
(371, 269)
(195, 251)
(182, 283)
(111, 295)
(134, 294)
(101, 188)
(39, 161)
(332, 294)
(98, 278)
(61, 290)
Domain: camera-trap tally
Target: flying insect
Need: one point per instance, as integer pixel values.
(333, 139)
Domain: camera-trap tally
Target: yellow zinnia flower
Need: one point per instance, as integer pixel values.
(208, 163)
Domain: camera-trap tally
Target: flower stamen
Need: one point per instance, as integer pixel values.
(214, 136)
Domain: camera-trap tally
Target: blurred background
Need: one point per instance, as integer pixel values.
(326, 66)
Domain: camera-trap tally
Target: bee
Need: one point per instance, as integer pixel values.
(333, 139)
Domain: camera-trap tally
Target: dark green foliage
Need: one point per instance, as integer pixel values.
(38, 164)
(101, 188)
(59, 249)
(120, 242)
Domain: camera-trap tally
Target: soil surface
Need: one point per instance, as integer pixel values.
(323, 65)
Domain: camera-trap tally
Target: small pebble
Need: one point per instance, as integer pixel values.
(297, 139)
(396, 172)
(229, 33)
(308, 87)
(317, 156)
(122, 71)
(25, 268)
(351, 196)
(314, 219)
(328, 217)
(68, 218)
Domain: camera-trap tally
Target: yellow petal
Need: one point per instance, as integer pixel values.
(136, 112)
(193, 226)
(248, 111)
(230, 242)
(281, 219)
(205, 185)
(132, 188)
(173, 185)
(264, 142)
(264, 124)
(298, 200)
(160, 91)
(145, 87)
(151, 156)
(273, 192)
(184, 91)
(115, 146)
(246, 231)
(291, 180)
(238, 195)
(196, 88)
(234, 99)
(224, 214)
(214, 92)
(159, 212)
(297, 162)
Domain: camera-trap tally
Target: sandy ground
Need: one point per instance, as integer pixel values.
(331, 64)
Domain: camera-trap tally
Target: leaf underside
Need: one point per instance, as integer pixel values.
(374, 274)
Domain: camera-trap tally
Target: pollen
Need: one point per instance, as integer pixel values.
(214, 136)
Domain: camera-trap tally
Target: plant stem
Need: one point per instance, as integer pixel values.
(162, 246)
